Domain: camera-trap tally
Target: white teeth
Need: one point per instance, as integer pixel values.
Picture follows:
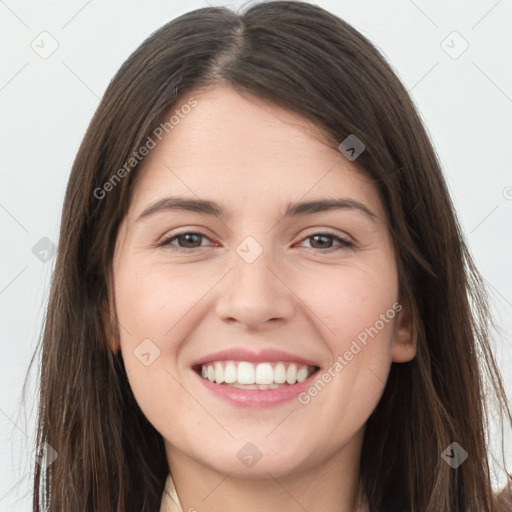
(247, 375)
(302, 373)
(279, 373)
(245, 386)
(219, 373)
(264, 373)
(255, 386)
(291, 374)
(229, 372)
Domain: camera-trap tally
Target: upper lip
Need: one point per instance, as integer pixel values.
(243, 354)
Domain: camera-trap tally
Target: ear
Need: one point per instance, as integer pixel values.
(406, 338)
(109, 321)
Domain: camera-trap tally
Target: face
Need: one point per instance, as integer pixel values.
(293, 286)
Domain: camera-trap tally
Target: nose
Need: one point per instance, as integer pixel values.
(253, 294)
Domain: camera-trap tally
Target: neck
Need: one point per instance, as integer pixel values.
(329, 486)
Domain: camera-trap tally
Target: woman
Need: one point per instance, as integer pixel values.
(203, 350)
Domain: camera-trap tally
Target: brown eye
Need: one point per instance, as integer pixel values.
(324, 241)
(186, 240)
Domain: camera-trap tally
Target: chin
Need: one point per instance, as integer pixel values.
(248, 461)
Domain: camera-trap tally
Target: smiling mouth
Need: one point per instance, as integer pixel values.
(249, 375)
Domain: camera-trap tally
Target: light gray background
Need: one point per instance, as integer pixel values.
(47, 103)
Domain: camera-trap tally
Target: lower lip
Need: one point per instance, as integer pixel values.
(257, 397)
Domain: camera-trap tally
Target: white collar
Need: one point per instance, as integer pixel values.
(170, 501)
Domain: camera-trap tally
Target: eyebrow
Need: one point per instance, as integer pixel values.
(214, 209)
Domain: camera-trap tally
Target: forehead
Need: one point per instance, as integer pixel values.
(246, 152)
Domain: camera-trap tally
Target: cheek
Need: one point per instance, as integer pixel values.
(155, 308)
(353, 302)
(359, 307)
(152, 307)
(153, 302)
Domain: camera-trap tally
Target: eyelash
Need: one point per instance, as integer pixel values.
(344, 244)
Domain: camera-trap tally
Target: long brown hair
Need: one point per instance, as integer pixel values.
(301, 57)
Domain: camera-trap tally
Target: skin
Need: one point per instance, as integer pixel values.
(299, 295)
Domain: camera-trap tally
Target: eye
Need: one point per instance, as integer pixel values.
(186, 240)
(322, 239)
(192, 240)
